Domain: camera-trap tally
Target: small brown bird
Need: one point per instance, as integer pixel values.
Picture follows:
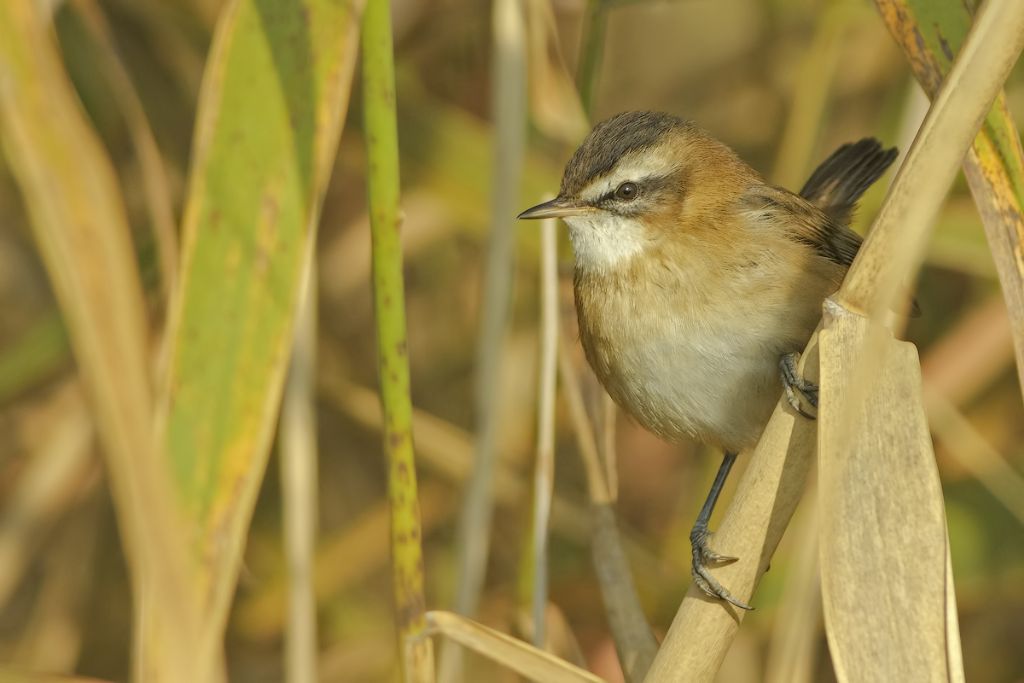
(697, 283)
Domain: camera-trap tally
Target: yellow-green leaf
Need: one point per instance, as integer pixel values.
(80, 224)
(931, 34)
(272, 105)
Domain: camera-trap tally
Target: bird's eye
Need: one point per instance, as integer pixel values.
(627, 191)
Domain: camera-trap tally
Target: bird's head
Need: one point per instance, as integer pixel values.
(638, 179)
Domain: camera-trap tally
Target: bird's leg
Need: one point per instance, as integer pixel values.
(792, 382)
(703, 555)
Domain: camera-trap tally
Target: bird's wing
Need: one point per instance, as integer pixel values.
(806, 224)
(803, 222)
(840, 180)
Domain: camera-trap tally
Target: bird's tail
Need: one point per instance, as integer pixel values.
(839, 181)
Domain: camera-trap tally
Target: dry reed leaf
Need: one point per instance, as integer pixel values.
(79, 220)
(155, 182)
(559, 639)
(270, 114)
(883, 526)
(884, 547)
(931, 34)
(505, 650)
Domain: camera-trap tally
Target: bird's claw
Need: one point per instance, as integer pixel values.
(703, 555)
(794, 384)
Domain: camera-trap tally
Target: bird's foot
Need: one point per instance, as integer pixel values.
(794, 384)
(703, 555)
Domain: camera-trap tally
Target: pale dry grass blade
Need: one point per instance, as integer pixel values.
(544, 468)
(508, 28)
(597, 476)
(79, 220)
(505, 650)
(298, 460)
(609, 453)
(954, 651)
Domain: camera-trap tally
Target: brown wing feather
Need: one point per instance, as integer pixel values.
(819, 216)
(805, 223)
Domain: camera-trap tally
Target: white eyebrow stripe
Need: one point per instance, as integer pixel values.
(636, 168)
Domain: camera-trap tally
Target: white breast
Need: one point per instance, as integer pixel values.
(716, 384)
(707, 366)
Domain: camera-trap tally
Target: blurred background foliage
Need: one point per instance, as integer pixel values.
(782, 81)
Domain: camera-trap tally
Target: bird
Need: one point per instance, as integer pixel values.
(697, 282)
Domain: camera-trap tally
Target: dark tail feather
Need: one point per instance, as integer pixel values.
(837, 184)
(839, 181)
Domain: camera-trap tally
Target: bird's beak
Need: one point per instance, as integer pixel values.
(556, 208)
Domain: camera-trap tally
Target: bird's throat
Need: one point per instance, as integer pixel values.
(603, 241)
